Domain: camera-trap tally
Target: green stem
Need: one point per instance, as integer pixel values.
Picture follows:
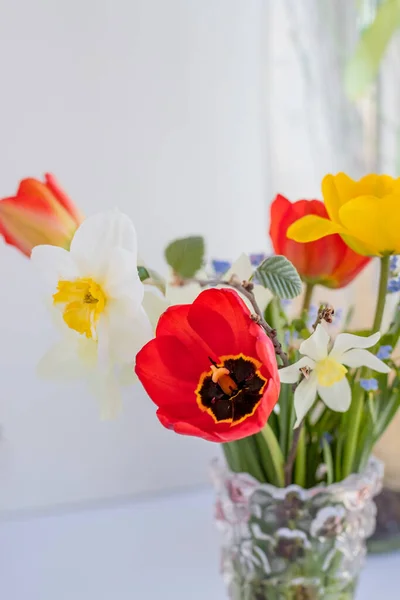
(353, 429)
(228, 456)
(276, 454)
(382, 292)
(307, 297)
(292, 453)
(265, 461)
(338, 458)
(248, 455)
(285, 418)
(300, 465)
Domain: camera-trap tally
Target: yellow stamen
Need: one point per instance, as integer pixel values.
(84, 302)
(329, 371)
(221, 375)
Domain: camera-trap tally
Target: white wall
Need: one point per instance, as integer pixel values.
(155, 106)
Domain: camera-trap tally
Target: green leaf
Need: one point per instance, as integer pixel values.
(392, 336)
(388, 412)
(349, 316)
(242, 457)
(151, 277)
(275, 455)
(328, 461)
(185, 255)
(278, 275)
(301, 461)
(363, 67)
(143, 273)
(339, 457)
(299, 325)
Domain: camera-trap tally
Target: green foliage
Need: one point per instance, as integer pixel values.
(278, 275)
(363, 67)
(151, 277)
(143, 273)
(186, 255)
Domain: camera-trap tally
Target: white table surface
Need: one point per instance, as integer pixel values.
(164, 548)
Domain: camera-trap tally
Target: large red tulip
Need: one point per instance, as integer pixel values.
(40, 213)
(211, 370)
(329, 261)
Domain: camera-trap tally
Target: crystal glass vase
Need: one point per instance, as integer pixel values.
(294, 543)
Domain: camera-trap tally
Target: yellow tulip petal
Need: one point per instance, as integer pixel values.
(375, 222)
(337, 190)
(311, 228)
(375, 185)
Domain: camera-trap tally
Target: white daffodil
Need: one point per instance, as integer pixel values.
(325, 372)
(242, 268)
(96, 288)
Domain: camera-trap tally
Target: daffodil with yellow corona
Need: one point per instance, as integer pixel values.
(97, 292)
(324, 372)
(366, 213)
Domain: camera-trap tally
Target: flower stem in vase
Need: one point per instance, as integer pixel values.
(382, 292)
(307, 297)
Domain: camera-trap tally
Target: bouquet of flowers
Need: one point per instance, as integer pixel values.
(297, 406)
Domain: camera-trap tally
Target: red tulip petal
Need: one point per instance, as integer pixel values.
(9, 238)
(170, 375)
(26, 222)
(223, 320)
(279, 207)
(185, 428)
(174, 322)
(266, 352)
(210, 432)
(63, 199)
(35, 196)
(350, 265)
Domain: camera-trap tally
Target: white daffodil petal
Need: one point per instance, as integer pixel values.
(122, 278)
(86, 351)
(242, 268)
(68, 359)
(103, 339)
(348, 341)
(263, 296)
(104, 385)
(97, 236)
(337, 396)
(363, 358)
(54, 264)
(316, 346)
(304, 397)
(154, 304)
(292, 373)
(129, 331)
(60, 363)
(127, 375)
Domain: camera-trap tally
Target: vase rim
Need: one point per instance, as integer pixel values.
(371, 477)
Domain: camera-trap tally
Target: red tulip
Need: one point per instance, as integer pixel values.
(329, 261)
(211, 370)
(40, 213)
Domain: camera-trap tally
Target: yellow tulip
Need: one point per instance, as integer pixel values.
(366, 213)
